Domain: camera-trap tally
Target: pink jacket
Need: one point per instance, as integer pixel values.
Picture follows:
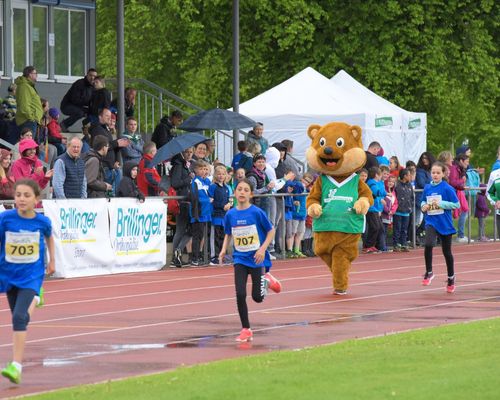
(25, 167)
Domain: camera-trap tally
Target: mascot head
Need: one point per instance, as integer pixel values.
(336, 149)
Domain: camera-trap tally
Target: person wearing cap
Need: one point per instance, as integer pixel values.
(29, 166)
(257, 135)
(69, 180)
(97, 187)
(54, 130)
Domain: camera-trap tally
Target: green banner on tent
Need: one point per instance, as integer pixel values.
(383, 121)
(414, 123)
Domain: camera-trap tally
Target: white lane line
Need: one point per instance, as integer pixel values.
(294, 306)
(165, 292)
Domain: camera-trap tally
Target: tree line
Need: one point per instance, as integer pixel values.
(435, 56)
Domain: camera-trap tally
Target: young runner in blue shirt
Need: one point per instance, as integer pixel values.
(252, 232)
(23, 233)
(438, 199)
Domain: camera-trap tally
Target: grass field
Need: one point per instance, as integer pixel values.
(450, 362)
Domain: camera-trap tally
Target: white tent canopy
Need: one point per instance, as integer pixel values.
(308, 98)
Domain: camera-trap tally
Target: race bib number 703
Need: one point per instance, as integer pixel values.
(22, 247)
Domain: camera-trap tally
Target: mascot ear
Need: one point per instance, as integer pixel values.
(313, 130)
(356, 133)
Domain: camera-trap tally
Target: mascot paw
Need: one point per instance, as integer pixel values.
(315, 210)
(361, 206)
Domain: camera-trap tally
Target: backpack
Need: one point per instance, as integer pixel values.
(173, 206)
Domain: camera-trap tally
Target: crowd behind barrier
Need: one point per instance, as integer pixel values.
(70, 263)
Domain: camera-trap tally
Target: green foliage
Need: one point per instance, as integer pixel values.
(435, 56)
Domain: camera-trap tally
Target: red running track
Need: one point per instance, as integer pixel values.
(109, 327)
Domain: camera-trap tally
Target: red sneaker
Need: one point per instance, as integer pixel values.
(450, 286)
(428, 277)
(274, 284)
(246, 335)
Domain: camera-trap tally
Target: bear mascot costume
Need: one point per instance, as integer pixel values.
(338, 201)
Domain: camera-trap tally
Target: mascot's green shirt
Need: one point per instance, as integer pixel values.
(337, 200)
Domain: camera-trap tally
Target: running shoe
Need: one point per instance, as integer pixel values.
(274, 284)
(340, 292)
(246, 335)
(450, 286)
(41, 298)
(12, 373)
(428, 277)
(299, 254)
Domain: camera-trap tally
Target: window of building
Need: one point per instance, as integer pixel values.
(1, 39)
(20, 35)
(39, 35)
(70, 42)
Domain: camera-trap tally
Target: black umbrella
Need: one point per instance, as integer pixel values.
(217, 118)
(177, 145)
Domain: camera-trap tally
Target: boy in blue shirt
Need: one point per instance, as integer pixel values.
(373, 217)
(200, 211)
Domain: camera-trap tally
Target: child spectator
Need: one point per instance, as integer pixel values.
(6, 178)
(385, 173)
(128, 186)
(401, 221)
(363, 177)
(219, 192)
(390, 207)
(260, 181)
(289, 233)
(373, 220)
(54, 129)
(243, 159)
(438, 199)
(482, 211)
(299, 213)
(363, 174)
(148, 179)
(201, 210)
(394, 166)
(308, 181)
(382, 160)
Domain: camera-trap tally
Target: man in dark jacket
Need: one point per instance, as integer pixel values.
(165, 130)
(94, 168)
(112, 169)
(371, 155)
(75, 103)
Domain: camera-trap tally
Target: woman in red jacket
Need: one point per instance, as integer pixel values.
(29, 166)
(6, 178)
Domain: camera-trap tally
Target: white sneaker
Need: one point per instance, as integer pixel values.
(272, 257)
(463, 240)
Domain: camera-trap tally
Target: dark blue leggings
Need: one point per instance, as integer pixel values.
(19, 302)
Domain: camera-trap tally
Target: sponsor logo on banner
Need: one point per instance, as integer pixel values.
(414, 123)
(383, 121)
(81, 235)
(138, 233)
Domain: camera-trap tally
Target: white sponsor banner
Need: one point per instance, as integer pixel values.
(138, 234)
(81, 233)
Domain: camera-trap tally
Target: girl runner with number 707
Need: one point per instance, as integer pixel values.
(252, 232)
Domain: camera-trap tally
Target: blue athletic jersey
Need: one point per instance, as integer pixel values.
(22, 252)
(249, 229)
(438, 217)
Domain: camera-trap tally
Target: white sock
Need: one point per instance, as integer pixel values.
(18, 366)
(37, 299)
